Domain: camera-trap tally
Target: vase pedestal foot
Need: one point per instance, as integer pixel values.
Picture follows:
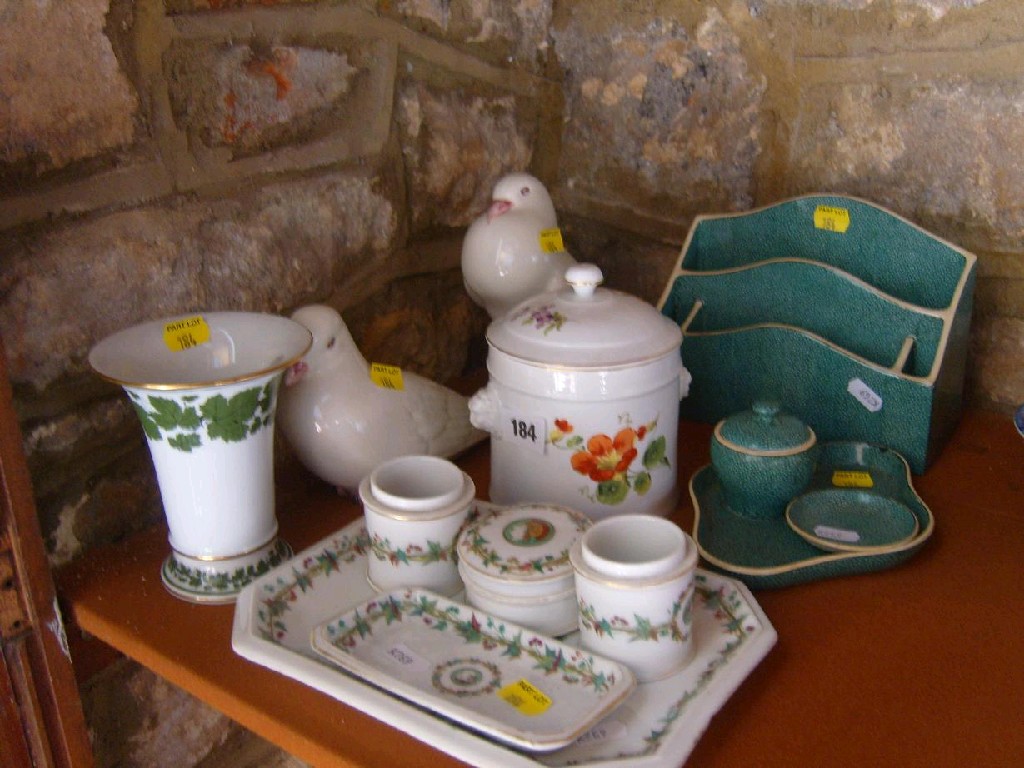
(218, 581)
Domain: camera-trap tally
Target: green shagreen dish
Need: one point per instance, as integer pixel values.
(850, 520)
(768, 553)
(852, 316)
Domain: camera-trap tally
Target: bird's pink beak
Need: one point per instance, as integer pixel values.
(497, 208)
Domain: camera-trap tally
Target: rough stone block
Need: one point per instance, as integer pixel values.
(941, 152)
(497, 31)
(63, 94)
(138, 719)
(662, 120)
(252, 97)
(189, 6)
(457, 141)
(1000, 296)
(267, 250)
(996, 374)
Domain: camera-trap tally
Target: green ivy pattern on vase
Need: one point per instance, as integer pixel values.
(641, 628)
(608, 460)
(201, 582)
(182, 420)
(489, 557)
(490, 634)
(434, 552)
(279, 595)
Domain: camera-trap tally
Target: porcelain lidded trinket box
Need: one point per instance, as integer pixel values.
(583, 401)
(764, 457)
(514, 563)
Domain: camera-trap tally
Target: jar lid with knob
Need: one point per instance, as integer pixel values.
(584, 325)
(765, 430)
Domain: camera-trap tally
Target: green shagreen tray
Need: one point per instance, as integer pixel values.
(766, 554)
(851, 317)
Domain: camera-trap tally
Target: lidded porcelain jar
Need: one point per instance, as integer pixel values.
(583, 401)
(514, 563)
(764, 457)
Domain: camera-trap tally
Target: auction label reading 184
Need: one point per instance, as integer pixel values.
(531, 433)
(186, 333)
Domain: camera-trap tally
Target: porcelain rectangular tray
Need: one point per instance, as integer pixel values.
(507, 682)
(656, 727)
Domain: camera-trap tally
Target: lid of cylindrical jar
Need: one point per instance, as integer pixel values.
(585, 326)
(765, 429)
(514, 548)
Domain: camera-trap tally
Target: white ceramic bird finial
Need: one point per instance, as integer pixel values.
(342, 425)
(503, 261)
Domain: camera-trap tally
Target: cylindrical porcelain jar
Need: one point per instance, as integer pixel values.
(514, 563)
(583, 401)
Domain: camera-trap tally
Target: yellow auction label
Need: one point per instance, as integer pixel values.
(551, 240)
(186, 333)
(852, 479)
(525, 697)
(386, 376)
(831, 218)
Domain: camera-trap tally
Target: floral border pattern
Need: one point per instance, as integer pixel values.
(434, 552)
(489, 557)
(642, 628)
(491, 635)
(279, 595)
(726, 605)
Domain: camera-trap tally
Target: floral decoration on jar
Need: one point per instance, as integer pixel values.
(608, 460)
(545, 318)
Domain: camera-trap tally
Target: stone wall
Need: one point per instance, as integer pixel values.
(165, 156)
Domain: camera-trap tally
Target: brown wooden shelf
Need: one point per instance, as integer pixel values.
(917, 665)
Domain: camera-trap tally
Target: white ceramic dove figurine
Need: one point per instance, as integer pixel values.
(342, 425)
(503, 262)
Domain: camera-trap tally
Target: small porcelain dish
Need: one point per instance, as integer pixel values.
(764, 458)
(514, 563)
(507, 682)
(851, 520)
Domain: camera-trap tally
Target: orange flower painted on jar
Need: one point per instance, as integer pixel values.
(608, 461)
(562, 428)
(606, 457)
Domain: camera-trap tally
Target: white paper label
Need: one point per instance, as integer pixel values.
(609, 730)
(530, 433)
(403, 656)
(865, 395)
(836, 534)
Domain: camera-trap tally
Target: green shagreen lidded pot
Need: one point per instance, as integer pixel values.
(764, 457)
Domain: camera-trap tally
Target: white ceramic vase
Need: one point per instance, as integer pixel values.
(205, 390)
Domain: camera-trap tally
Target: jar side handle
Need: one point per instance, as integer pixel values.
(684, 382)
(483, 408)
